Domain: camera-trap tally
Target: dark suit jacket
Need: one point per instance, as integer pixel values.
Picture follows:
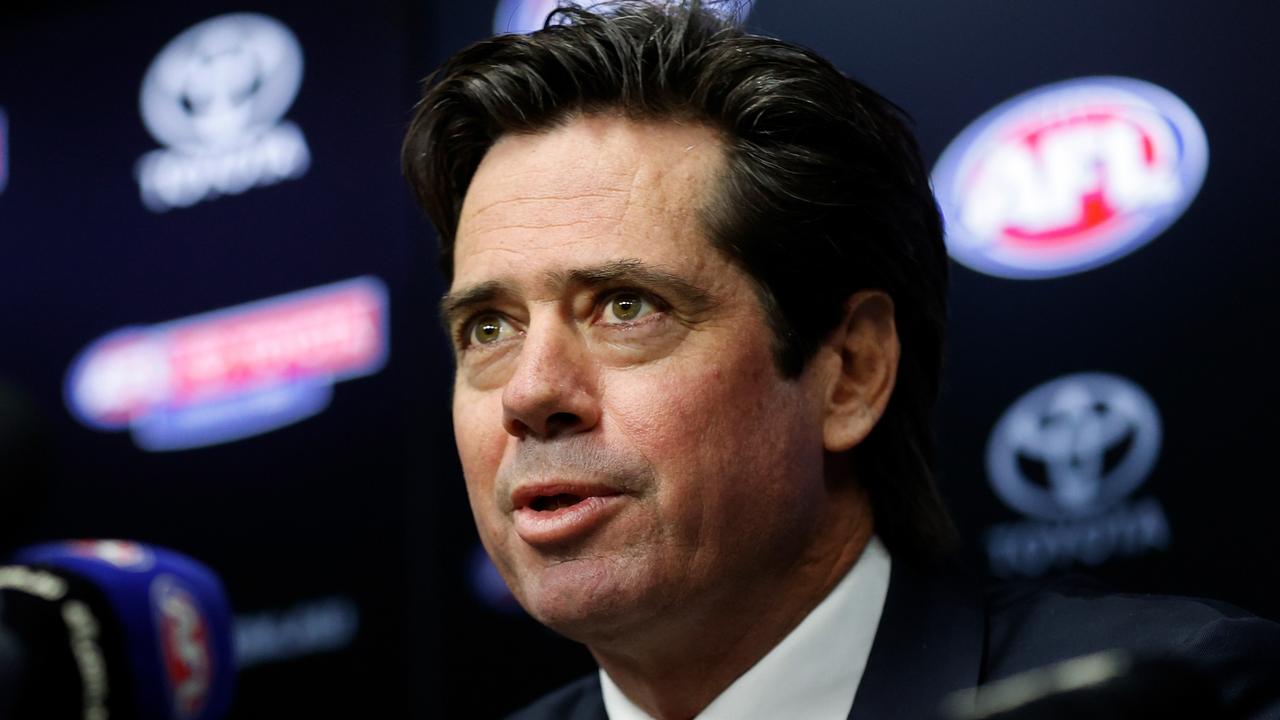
(939, 634)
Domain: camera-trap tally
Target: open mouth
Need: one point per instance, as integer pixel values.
(550, 514)
(551, 503)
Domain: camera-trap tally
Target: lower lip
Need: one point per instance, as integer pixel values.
(550, 527)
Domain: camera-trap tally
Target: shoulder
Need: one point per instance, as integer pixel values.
(579, 700)
(1073, 617)
(1035, 625)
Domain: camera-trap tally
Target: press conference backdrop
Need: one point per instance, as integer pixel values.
(219, 322)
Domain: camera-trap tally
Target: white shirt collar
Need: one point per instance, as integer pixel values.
(816, 669)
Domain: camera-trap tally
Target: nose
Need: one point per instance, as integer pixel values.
(551, 390)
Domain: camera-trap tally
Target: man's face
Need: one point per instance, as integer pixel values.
(630, 449)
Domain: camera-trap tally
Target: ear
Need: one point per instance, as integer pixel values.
(863, 355)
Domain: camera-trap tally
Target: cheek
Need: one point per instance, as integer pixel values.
(663, 415)
(713, 435)
(477, 422)
(481, 443)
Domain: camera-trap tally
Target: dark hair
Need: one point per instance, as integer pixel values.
(824, 194)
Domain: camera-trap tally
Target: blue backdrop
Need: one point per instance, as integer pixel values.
(1107, 174)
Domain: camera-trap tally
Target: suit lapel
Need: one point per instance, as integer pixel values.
(591, 706)
(930, 642)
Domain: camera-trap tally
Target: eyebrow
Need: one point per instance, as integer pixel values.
(629, 271)
(634, 272)
(455, 304)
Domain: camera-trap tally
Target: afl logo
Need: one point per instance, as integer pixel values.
(1069, 176)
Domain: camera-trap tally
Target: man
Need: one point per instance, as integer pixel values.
(697, 297)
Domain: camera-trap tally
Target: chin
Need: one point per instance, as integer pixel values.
(587, 599)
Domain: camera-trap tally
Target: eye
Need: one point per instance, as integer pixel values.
(625, 307)
(488, 329)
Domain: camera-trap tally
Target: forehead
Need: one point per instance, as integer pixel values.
(595, 189)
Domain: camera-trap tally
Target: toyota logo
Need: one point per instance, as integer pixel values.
(221, 82)
(1074, 447)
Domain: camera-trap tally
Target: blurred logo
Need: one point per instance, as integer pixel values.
(1069, 177)
(32, 581)
(95, 684)
(319, 625)
(232, 373)
(215, 95)
(526, 16)
(184, 645)
(120, 553)
(1074, 447)
(1068, 454)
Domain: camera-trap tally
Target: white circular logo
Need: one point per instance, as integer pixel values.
(523, 16)
(526, 16)
(1069, 176)
(222, 83)
(1074, 447)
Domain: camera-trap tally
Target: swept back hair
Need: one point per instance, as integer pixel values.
(824, 192)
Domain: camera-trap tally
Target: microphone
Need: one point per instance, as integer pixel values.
(1109, 685)
(99, 629)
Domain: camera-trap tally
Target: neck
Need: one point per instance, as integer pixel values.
(675, 671)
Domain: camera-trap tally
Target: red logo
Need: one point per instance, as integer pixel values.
(184, 645)
(231, 373)
(120, 553)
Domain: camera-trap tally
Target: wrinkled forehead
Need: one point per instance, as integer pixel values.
(594, 186)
